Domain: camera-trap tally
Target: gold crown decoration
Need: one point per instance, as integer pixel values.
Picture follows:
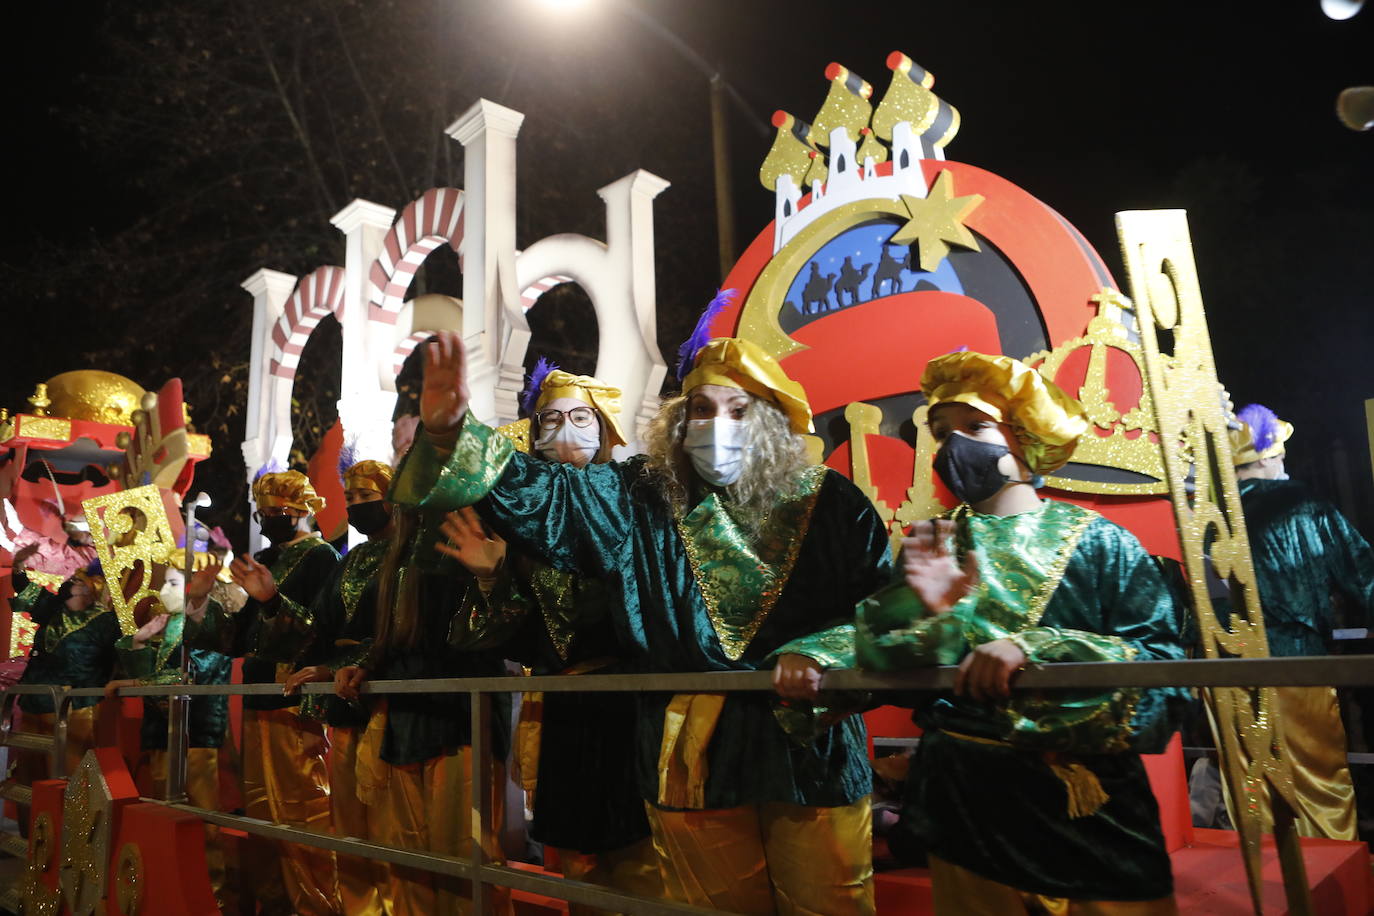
(158, 449)
(1128, 441)
(134, 540)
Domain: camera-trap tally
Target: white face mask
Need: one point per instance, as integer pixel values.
(570, 444)
(173, 595)
(717, 447)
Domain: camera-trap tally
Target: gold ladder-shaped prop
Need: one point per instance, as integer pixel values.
(1182, 381)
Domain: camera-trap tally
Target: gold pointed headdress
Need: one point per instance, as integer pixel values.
(1047, 422)
(289, 489)
(1261, 435)
(737, 363)
(593, 392)
(368, 475)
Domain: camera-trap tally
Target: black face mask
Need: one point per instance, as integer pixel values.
(369, 517)
(278, 528)
(969, 468)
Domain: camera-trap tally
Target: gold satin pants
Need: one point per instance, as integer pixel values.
(632, 869)
(363, 883)
(285, 781)
(793, 860)
(1315, 739)
(960, 892)
(202, 790)
(427, 808)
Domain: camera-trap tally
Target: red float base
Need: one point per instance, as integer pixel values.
(1209, 877)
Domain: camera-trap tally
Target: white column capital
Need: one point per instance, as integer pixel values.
(640, 183)
(363, 213)
(485, 116)
(273, 284)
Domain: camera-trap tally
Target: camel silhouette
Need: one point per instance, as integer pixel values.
(816, 293)
(849, 281)
(890, 270)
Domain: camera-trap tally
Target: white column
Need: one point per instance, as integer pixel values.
(364, 407)
(268, 414)
(634, 333)
(494, 325)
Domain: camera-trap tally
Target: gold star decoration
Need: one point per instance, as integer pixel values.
(937, 221)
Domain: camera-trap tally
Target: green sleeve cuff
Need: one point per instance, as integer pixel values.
(286, 635)
(29, 594)
(214, 631)
(429, 479)
(830, 648)
(894, 630)
(1046, 645)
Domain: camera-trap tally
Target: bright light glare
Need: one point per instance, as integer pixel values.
(564, 6)
(1341, 9)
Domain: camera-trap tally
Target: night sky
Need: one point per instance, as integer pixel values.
(1225, 109)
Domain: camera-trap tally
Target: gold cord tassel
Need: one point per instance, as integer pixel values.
(1086, 794)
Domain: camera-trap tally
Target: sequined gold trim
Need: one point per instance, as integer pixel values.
(1056, 571)
(741, 577)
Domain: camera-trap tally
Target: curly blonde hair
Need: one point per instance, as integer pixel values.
(775, 456)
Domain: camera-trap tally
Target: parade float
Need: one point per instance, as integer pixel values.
(882, 254)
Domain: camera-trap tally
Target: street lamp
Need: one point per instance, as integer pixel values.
(721, 91)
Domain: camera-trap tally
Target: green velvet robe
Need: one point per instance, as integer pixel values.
(420, 727)
(159, 662)
(71, 648)
(610, 521)
(587, 797)
(1064, 584)
(337, 629)
(300, 571)
(1304, 552)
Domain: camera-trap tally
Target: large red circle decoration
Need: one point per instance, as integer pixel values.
(855, 318)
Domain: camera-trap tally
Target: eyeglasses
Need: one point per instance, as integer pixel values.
(552, 417)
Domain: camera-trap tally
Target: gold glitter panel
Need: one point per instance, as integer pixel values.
(87, 809)
(133, 537)
(31, 427)
(1192, 425)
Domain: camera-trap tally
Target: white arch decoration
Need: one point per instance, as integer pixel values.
(382, 254)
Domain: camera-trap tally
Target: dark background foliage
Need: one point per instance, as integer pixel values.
(163, 151)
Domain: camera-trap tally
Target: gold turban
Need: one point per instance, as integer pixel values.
(368, 475)
(288, 489)
(737, 363)
(590, 391)
(1046, 421)
(1243, 443)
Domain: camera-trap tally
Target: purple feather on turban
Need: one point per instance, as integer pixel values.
(530, 396)
(701, 334)
(1263, 423)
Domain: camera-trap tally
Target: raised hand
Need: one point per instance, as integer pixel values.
(471, 543)
(444, 396)
(253, 578)
(152, 628)
(930, 569)
(203, 580)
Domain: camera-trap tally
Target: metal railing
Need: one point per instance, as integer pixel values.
(1338, 671)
